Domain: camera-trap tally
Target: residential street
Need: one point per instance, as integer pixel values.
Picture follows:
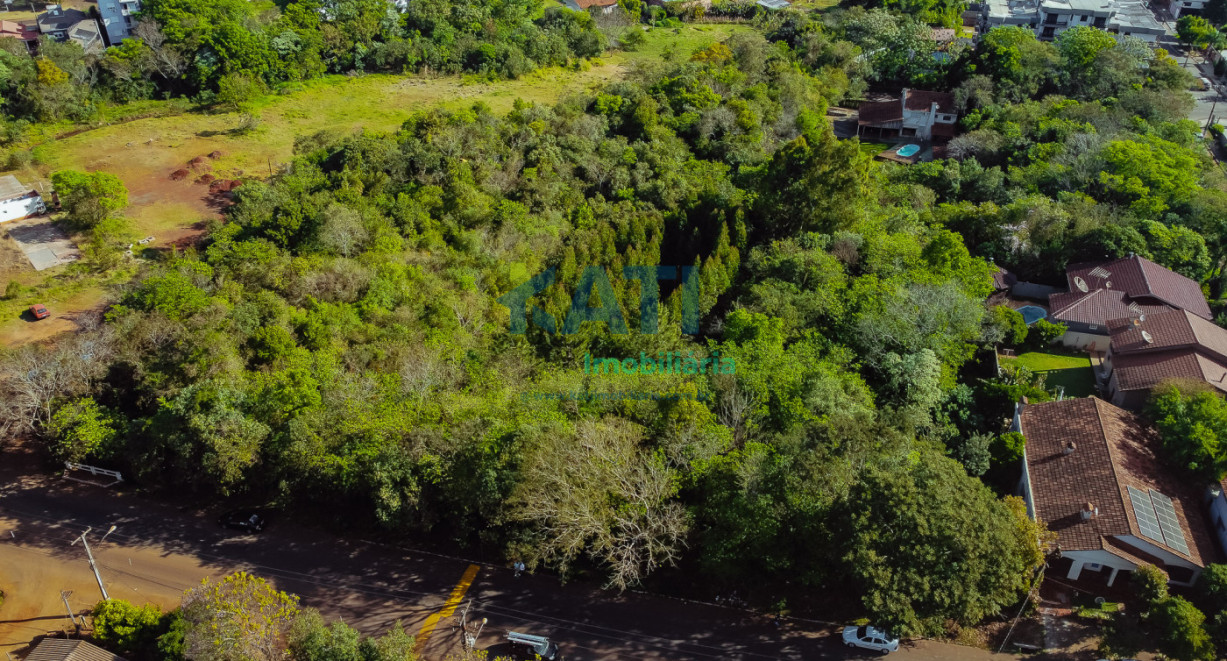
(157, 552)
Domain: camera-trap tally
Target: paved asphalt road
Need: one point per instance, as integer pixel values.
(158, 551)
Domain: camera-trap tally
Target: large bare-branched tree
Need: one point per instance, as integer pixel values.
(597, 493)
(33, 378)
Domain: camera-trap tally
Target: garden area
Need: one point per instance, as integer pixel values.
(1060, 368)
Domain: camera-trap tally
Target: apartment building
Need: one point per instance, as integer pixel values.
(1049, 18)
(118, 18)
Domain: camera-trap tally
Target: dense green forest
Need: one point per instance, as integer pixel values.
(229, 51)
(338, 343)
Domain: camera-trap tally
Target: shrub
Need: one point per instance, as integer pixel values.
(633, 39)
(123, 627)
(1181, 634)
(1010, 324)
(1044, 332)
(1212, 588)
(1150, 583)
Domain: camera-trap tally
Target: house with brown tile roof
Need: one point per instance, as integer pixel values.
(1127, 287)
(1146, 350)
(1091, 473)
(916, 114)
(603, 6)
(59, 649)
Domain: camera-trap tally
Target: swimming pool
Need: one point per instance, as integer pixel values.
(1032, 313)
(908, 150)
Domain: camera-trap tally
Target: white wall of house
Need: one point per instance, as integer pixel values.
(1176, 7)
(1085, 341)
(1169, 558)
(1024, 485)
(920, 120)
(16, 208)
(1096, 561)
(118, 18)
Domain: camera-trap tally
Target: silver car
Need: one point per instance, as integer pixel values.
(870, 639)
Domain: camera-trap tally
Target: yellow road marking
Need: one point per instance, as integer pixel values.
(449, 606)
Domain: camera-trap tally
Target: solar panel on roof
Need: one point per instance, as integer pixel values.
(1168, 523)
(1144, 511)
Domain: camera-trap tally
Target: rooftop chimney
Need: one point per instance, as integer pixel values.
(1069, 447)
(1089, 511)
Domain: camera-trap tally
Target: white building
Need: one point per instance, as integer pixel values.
(118, 18)
(1179, 7)
(917, 113)
(18, 200)
(1091, 472)
(1049, 18)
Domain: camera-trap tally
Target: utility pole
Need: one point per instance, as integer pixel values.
(470, 639)
(1217, 93)
(89, 554)
(65, 594)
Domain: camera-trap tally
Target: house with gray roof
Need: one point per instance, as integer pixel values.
(1049, 18)
(71, 24)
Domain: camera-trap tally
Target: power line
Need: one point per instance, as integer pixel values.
(432, 603)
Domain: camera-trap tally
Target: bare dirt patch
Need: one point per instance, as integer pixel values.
(12, 260)
(78, 312)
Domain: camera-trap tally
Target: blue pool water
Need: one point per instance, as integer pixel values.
(1032, 313)
(908, 150)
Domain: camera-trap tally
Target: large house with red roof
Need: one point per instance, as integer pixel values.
(603, 6)
(919, 114)
(26, 32)
(1090, 472)
(1147, 350)
(1128, 287)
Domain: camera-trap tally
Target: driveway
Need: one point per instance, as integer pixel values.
(44, 244)
(158, 551)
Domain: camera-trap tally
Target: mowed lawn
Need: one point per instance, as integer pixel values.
(143, 153)
(1072, 370)
(873, 148)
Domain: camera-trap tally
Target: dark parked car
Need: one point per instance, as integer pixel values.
(40, 311)
(528, 646)
(245, 520)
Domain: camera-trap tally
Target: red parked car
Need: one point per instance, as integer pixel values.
(39, 311)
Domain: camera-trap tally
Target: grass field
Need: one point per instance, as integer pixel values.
(144, 152)
(873, 148)
(814, 4)
(1071, 370)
